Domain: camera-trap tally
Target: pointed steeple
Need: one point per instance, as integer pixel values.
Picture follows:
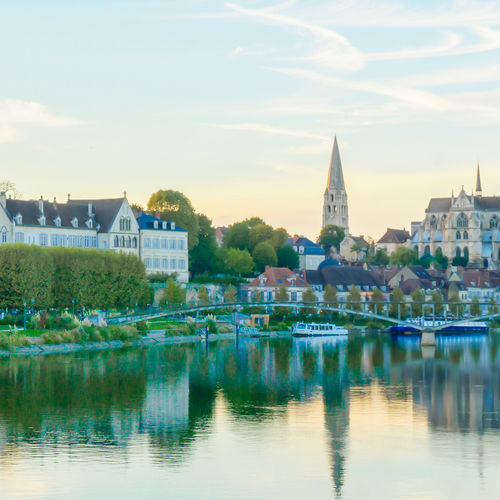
(479, 191)
(335, 175)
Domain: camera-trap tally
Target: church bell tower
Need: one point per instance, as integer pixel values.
(335, 199)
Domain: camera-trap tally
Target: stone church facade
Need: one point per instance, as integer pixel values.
(467, 225)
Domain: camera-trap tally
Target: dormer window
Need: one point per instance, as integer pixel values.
(155, 224)
(57, 221)
(19, 219)
(74, 222)
(41, 220)
(164, 225)
(90, 224)
(172, 225)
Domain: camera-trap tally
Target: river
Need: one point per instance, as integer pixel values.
(368, 417)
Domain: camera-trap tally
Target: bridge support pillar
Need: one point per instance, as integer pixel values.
(428, 337)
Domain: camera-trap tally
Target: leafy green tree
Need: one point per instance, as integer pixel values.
(403, 256)
(308, 296)
(397, 302)
(137, 208)
(288, 257)
(475, 308)
(354, 299)
(253, 221)
(237, 236)
(279, 237)
(460, 261)
(202, 255)
(418, 299)
(379, 257)
(492, 306)
(264, 255)
(237, 261)
(203, 296)
(441, 260)
(330, 296)
(437, 300)
(175, 206)
(174, 294)
(426, 260)
(454, 301)
(282, 294)
(230, 295)
(258, 234)
(377, 299)
(331, 236)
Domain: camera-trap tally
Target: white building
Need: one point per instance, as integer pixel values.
(107, 224)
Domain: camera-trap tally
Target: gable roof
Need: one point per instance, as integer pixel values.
(397, 236)
(344, 276)
(278, 276)
(105, 210)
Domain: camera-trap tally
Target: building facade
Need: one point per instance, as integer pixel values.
(107, 224)
(310, 254)
(461, 226)
(335, 209)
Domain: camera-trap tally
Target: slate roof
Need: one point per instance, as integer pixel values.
(30, 212)
(411, 285)
(105, 210)
(310, 248)
(278, 276)
(487, 203)
(342, 276)
(146, 221)
(397, 236)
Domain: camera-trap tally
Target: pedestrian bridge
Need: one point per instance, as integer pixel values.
(457, 313)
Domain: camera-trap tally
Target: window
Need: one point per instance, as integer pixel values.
(147, 262)
(182, 264)
(129, 242)
(494, 222)
(76, 241)
(155, 224)
(116, 241)
(156, 243)
(458, 252)
(294, 296)
(19, 219)
(164, 243)
(164, 225)
(90, 224)
(4, 235)
(462, 220)
(43, 239)
(41, 220)
(173, 263)
(156, 263)
(466, 235)
(19, 237)
(173, 244)
(74, 222)
(57, 221)
(458, 235)
(427, 250)
(466, 253)
(122, 241)
(181, 245)
(147, 242)
(329, 209)
(433, 221)
(53, 240)
(164, 263)
(134, 242)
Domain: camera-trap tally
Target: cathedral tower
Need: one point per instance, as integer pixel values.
(335, 199)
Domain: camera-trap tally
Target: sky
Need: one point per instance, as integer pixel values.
(236, 104)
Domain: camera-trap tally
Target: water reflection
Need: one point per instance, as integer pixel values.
(96, 405)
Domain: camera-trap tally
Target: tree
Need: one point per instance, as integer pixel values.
(175, 206)
(230, 295)
(492, 306)
(417, 298)
(279, 237)
(354, 298)
(258, 234)
(288, 257)
(203, 296)
(136, 208)
(264, 255)
(330, 296)
(403, 256)
(237, 236)
(308, 296)
(361, 248)
(331, 236)
(379, 257)
(174, 294)
(426, 260)
(454, 301)
(437, 300)
(9, 188)
(282, 294)
(202, 255)
(377, 299)
(237, 261)
(253, 221)
(397, 303)
(475, 308)
(441, 260)
(460, 261)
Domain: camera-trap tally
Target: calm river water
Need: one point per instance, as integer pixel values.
(287, 418)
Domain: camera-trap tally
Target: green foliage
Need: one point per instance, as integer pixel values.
(403, 256)
(426, 260)
(230, 295)
(377, 257)
(475, 308)
(330, 296)
(492, 306)
(264, 255)
(211, 325)
(282, 294)
(354, 298)
(175, 206)
(203, 295)
(418, 298)
(331, 236)
(258, 234)
(460, 261)
(53, 277)
(377, 299)
(202, 255)
(397, 296)
(237, 236)
(237, 261)
(441, 260)
(437, 300)
(173, 294)
(279, 237)
(308, 296)
(9, 341)
(456, 306)
(287, 257)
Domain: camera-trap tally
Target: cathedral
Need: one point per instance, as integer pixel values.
(467, 225)
(335, 198)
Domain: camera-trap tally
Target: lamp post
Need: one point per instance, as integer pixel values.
(24, 316)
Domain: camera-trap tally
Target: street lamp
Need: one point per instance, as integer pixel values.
(24, 316)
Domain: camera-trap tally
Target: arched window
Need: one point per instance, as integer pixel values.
(466, 235)
(121, 223)
(433, 221)
(134, 242)
(129, 242)
(427, 250)
(459, 236)
(494, 222)
(466, 253)
(4, 234)
(458, 252)
(117, 241)
(329, 209)
(462, 220)
(129, 224)
(122, 242)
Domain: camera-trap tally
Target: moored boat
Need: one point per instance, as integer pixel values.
(317, 330)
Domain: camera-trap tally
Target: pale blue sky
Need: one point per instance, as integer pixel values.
(236, 103)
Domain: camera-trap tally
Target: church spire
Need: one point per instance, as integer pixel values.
(479, 191)
(335, 175)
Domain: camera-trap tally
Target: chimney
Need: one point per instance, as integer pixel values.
(69, 196)
(40, 204)
(89, 209)
(3, 199)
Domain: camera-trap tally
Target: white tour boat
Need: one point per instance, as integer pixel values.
(317, 330)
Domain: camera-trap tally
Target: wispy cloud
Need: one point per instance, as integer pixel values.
(16, 114)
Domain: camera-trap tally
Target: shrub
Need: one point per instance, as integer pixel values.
(52, 338)
(142, 326)
(8, 342)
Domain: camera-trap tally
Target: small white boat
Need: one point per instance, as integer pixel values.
(317, 330)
